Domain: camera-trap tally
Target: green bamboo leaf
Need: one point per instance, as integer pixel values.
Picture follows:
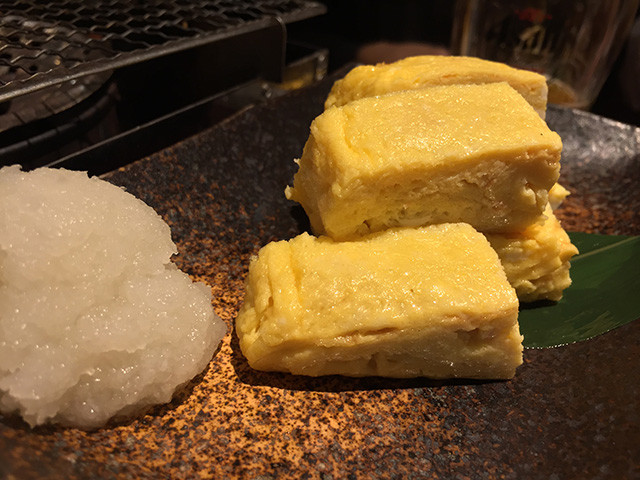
(604, 294)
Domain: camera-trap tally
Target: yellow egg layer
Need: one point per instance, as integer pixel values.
(430, 301)
(477, 154)
(536, 260)
(557, 194)
(428, 71)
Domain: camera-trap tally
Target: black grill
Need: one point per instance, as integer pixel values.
(45, 43)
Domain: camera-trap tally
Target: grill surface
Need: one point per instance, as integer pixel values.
(46, 43)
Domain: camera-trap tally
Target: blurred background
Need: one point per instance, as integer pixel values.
(96, 84)
(370, 31)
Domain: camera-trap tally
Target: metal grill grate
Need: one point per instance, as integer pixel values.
(45, 43)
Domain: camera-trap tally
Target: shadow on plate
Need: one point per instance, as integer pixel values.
(128, 417)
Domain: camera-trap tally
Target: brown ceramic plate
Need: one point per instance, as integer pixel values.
(570, 412)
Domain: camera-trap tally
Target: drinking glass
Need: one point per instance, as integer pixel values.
(574, 43)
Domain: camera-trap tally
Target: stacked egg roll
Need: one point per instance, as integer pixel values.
(429, 198)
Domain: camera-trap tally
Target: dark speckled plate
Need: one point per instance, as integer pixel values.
(571, 412)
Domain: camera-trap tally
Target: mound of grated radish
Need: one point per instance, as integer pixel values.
(95, 320)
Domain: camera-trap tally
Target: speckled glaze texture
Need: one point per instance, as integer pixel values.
(570, 412)
(601, 168)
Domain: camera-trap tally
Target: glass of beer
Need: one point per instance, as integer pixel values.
(573, 43)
